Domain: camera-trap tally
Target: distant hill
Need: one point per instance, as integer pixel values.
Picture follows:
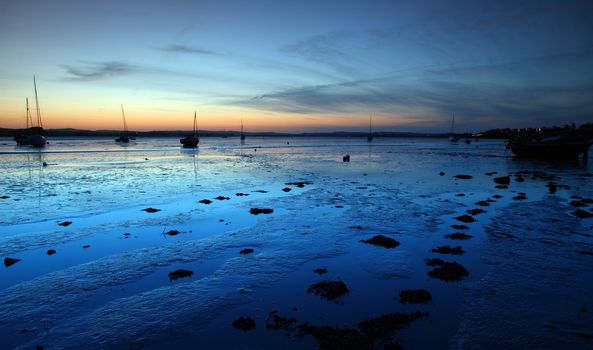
(208, 133)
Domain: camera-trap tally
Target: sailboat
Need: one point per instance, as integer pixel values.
(23, 138)
(453, 138)
(242, 134)
(124, 138)
(36, 138)
(193, 140)
(370, 135)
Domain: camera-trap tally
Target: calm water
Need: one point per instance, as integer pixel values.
(116, 291)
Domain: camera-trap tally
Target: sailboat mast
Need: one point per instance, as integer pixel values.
(28, 116)
(195, 123)
(370, 123)
(124, 117)
(37, 103)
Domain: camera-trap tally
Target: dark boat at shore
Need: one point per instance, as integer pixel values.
(124, 138)
(193, 140)
(556, 147)
(32, 135)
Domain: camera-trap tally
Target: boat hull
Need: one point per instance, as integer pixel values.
(189, 142)
(549, 150)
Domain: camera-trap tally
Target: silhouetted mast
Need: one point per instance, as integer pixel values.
(125, 123)
(37, 104)
(195, 123)
(28, 116)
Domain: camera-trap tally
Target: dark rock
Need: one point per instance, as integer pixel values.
(86, 246)
(497, 196)
(417, 296)
(382, 241)
(382, 326)
(520, 198)
(460, 195)
(446, 271)
(463, 177)
(490, 173)
(476, 211)
(578, 204)
(356, 227)
(65, 223)
(261, 191)
(51, 252)
(44, 164)
(222, 198)
(346, 158)
(246, 251)
(460, 227)
(448, 250)
(502, 187)
(10, 261)
(257, 211)
(465, 218)
(151, 210)
(583, 214)
(205, 201)
(503, 180)
(320, 271)
(244, 323)
(276, 322)
(442, 173)
(330, 338)
(287, 189)
(329, 290)
(241, 194)
(458, 236)
(172, 232)
(587, 200)
(4, 197)
(299, 184)
(483, 203)
(519, 178)
(180, 274)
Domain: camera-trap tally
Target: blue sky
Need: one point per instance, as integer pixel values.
(300, 65)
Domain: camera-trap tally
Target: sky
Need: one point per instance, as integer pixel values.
(297, 66)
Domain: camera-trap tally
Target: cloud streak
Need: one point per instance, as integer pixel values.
(185, 49)
(98, 70)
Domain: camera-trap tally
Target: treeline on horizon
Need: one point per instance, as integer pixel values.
(585, 130)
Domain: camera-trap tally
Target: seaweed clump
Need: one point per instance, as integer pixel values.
(320, 270)
(411, 296)
(465, 218)
(446, 249)
(181, 273)
(10, 261)
(257, 211)
(459, 236)
(244, 323)
(382, 241)
(446, 271)
(246, 251)
(151, 210)
(205, 201)
(330, 290)
(276, 322)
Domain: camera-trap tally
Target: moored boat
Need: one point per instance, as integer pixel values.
(192, 140)
(557, 147)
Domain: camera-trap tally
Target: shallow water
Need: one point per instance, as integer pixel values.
(115, 293)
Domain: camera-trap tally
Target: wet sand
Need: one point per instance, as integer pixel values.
(378, 251)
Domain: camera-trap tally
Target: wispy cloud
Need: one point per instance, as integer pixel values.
(98, 70)
(185, 49)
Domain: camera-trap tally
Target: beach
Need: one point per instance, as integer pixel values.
(280, 243)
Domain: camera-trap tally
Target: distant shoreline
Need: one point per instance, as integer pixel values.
(4, 132)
